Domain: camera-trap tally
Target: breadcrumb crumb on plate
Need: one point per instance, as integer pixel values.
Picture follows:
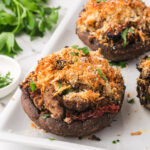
(136, 133)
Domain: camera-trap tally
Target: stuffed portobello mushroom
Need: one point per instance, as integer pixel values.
(73, 92)
(121, 28)
(143, 82)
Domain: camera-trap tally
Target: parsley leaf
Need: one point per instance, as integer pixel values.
(74, 53)
(131, 101)
(76, 59)
(85, 50)
(46, 116)
(98, 1)
(121, 64)
(52, 139)
(101, 74)
(124, 35)
(32, 86)
(8, 44)
(59, 84)
(131, 30)
(5, 80)
(68, 91)
(148, 58)
(116, 141)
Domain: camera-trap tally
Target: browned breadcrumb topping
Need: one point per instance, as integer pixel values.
(144, 66)
(60, 70)
(98, 18)
(145, 63)
(143, 81)
(136, 133)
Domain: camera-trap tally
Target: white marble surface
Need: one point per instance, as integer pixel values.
(31, 53)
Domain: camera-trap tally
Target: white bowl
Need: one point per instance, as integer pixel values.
(8, 64)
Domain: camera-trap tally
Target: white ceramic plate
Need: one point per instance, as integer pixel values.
(15, 125)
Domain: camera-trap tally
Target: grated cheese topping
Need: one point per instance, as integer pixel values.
(145, 63)
(70, 67)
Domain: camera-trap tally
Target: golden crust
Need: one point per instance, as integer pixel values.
(145, 63)
(99, 18)
(144, 66)
(78, 69)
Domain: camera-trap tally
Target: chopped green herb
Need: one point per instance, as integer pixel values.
(131, 101)
(23, 16)
(52, 139)
(74, 53)
(85, 50)
(121, 64)
(59, 84)
(116, 141)
(131, 30)
(101, 74)
(75, 46)
(80, 138)
(76, 59)
(32, 86)
(68, 91)
(148, 58)
(46, 116)
(98, 1)
(5, 80)
(124, 35)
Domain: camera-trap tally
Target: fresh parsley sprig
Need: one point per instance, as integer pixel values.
(23, 16)
(8, 44)
(121, 64)
(131, 101)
